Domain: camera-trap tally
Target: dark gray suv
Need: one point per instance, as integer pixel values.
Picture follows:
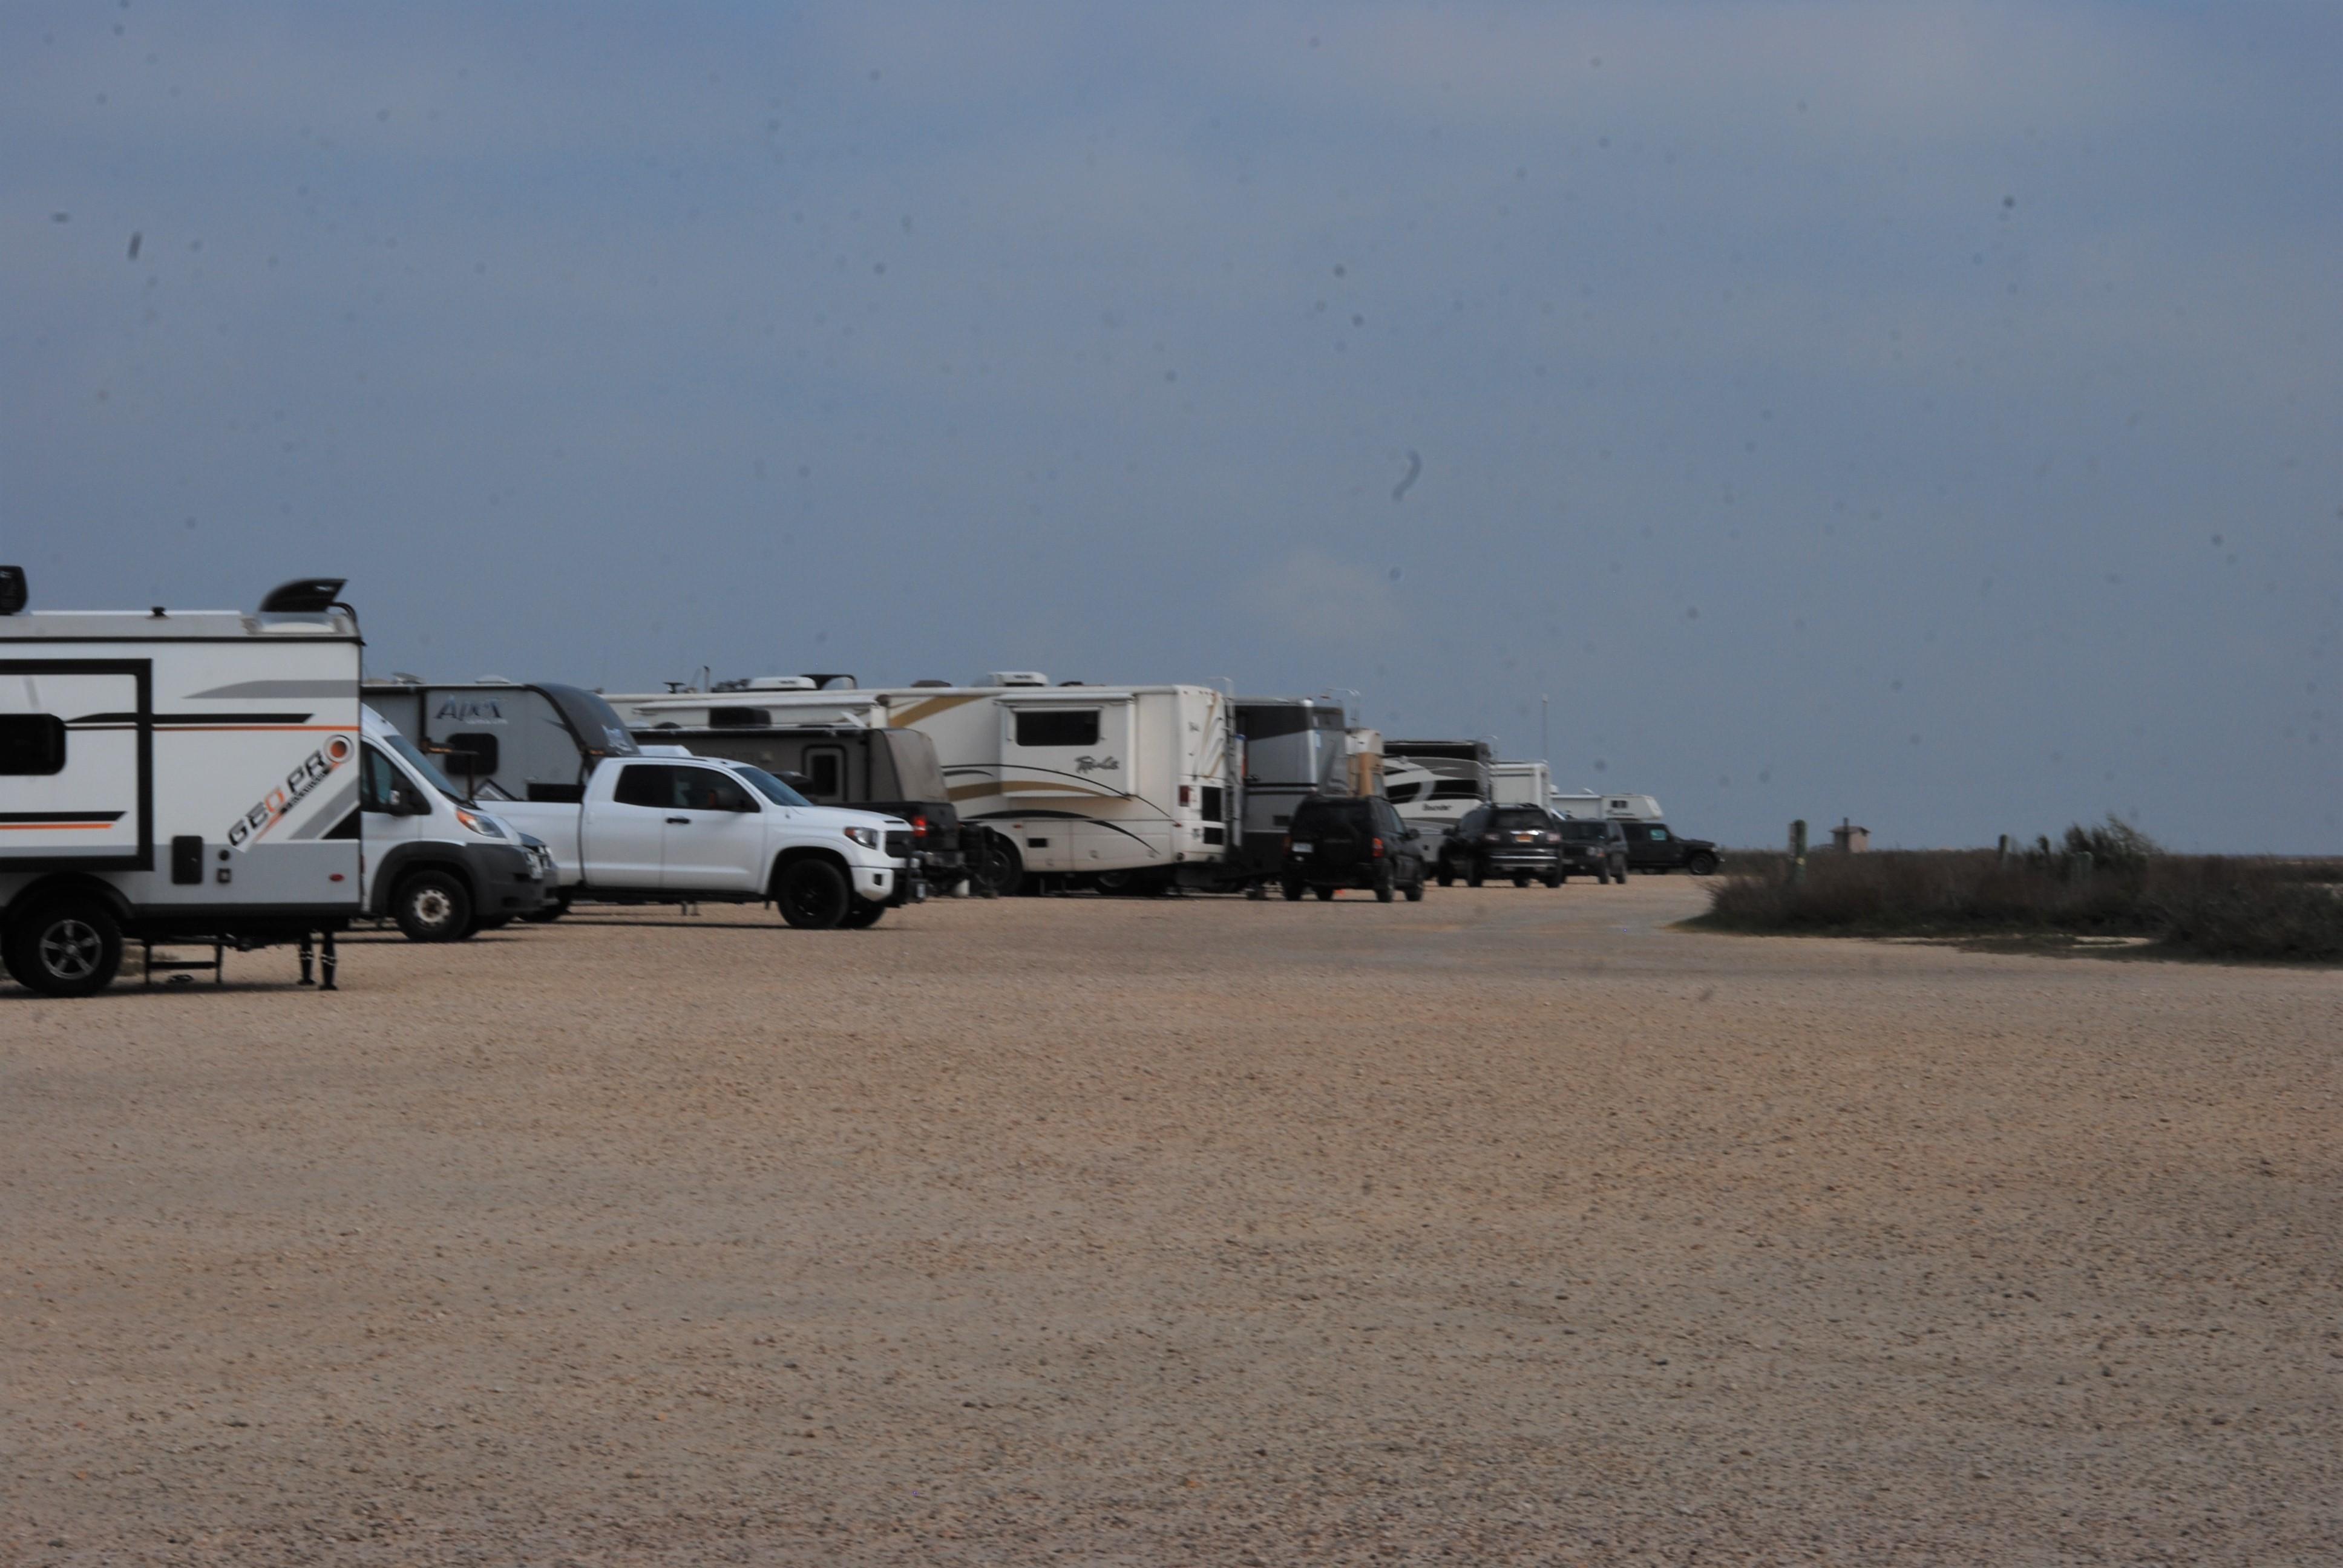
(1358, 842)
(1590, 848)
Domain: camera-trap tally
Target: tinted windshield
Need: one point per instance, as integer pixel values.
(421, 764)
(771, 787)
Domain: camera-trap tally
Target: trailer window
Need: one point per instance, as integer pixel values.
(825, 772)
(32, 744)
(472, 756)
(1057, 727)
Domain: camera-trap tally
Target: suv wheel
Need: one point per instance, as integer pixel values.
(1701, 864)
(1477, 875)
(433, 907)
(70, 948)
(1553, 878)
(813, 895)
(1387, 888)
(1414, 891)
(1325, 892)
(1447, 877)
(1292, 887)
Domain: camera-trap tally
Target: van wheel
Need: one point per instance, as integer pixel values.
(1292, 888)
(70, 948)
(1701, 864)
(432, 907)
(863, 915)
(813, 895)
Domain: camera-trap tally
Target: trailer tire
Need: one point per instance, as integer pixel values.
(67, 948)
(994, 866)
(432, 905)
(863, 915)
(813, 895)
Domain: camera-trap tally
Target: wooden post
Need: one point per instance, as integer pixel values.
(1798, 851)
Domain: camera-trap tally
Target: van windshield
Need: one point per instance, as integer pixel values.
(771, 787)
(422, 765)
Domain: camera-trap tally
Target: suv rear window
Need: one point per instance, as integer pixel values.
(1320, 815)
(1521, 816)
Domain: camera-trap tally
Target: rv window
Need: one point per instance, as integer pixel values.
(32, 743)
(1057, 727)
(737, 718)
(825, 770)
(1212, 807)
(646, 784)
(472, 756)
(1456, 789)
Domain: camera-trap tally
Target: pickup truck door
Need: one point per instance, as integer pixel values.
(619, 836)
(713, 834)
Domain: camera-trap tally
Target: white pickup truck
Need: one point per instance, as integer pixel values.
(678, 829)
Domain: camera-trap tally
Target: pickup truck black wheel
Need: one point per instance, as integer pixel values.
(545, 913)
(1325, 893)
(1292, 887)
(813, 895)
(1701, 864)
(432, 905)
(69, 948)
(1477, 875)
(863, 915)
(994, 866)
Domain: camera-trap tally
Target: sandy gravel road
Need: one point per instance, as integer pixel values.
(1507, 1226)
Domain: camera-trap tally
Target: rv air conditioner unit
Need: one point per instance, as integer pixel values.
(778, 683)
(1016, 677)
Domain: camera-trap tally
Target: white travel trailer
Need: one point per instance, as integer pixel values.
(1520, 783)
(1434, 783)
(1112, 786)
(1589, 805)
(175, 776)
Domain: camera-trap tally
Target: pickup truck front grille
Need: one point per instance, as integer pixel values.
(899, 845)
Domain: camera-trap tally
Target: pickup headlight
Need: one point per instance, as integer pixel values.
(868, 837)
(485, 827)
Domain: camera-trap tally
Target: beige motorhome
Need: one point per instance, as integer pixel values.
(1073, 784)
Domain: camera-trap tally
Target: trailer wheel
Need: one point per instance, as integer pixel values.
(813, 895)
(432, 905)
(69, 948)
(863, 915)
(995, 867)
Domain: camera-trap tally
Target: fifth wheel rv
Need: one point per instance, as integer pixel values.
(1435, 782)
(1117, 787)
(183, 777)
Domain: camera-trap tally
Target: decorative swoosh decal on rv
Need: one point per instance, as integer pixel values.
(263, 688)
(1061, 816)
(207, 720)
(927, 707)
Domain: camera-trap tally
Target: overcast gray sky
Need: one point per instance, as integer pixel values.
(1928, 413)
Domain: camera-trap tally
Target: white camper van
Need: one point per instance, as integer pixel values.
(439, 866)
(1112, 786)
(175, 776)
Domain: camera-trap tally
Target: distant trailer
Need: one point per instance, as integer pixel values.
(1434, 783)
(1588, 805)
(181, 777)
(504, 740)
(1520, 783)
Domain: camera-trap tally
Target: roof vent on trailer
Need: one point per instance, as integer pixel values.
(1017, 677)
(778, 683)
(303, 595)
(12, 590)
(931, 681)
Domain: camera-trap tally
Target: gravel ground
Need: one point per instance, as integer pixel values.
(1507, 1226)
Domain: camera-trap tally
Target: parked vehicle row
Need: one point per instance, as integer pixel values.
(227, 778)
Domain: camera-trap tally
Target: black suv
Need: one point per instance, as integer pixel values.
(1350, 842)
(1592, 848)
(1516, 841)
(1651, 847)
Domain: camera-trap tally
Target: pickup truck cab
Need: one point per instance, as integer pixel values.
(678, 829)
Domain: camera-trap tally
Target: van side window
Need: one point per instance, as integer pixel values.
(1057, 727)
(376, 779)
(32, 744)
(646, 784)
